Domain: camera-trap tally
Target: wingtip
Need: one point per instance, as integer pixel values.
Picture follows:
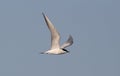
(70, 36)
(43, 14)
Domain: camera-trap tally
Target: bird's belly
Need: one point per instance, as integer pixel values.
(56, 51)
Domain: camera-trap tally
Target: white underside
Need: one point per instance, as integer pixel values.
(55, 51)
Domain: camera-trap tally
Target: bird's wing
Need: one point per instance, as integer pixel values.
(68, 42)
(55, 37)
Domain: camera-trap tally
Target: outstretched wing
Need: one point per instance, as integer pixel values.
(55, 37)
(68, 42)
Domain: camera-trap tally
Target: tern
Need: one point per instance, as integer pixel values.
(56, 49)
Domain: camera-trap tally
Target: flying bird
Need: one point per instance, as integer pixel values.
(56, 49)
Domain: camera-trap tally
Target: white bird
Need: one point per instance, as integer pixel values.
(55, 39)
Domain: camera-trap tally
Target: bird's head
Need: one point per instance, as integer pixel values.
(65, 50)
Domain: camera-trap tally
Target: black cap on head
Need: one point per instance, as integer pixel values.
(66, 50)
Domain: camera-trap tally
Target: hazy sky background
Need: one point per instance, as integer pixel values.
(94, 25)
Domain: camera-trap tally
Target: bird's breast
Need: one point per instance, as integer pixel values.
(56, 51)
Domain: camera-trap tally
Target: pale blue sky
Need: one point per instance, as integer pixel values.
(94, 25)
